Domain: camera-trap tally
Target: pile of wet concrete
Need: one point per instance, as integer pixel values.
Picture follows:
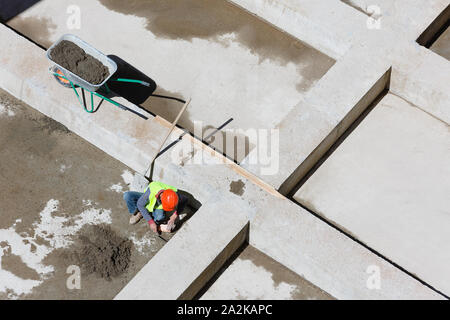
(101, 251)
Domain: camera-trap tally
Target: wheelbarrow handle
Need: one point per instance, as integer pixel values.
(132, 81)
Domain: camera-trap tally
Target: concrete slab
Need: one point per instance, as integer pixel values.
(231, 63)
(255, 276)
(387, 184)
(54, 185)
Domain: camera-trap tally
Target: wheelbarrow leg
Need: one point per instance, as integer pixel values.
(93, 109)
(84, 98)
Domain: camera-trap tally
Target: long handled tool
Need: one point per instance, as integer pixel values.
(203, 140)
(162, 238)
(174, 123)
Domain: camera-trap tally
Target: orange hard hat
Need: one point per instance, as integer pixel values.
(169, 200)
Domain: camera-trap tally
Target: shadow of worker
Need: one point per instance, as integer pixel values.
(133, 92)
(188, 206)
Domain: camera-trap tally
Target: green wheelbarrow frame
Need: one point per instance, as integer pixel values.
(93, 108)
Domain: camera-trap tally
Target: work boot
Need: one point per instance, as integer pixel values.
(135, 218)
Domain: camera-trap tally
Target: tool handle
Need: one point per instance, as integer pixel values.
(174, 123)
(132, 81)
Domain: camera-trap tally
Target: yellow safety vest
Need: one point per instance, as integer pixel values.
(155, 187)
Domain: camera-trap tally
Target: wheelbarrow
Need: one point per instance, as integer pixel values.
(70, 80)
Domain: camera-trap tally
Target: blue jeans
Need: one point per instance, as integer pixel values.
(131, 198)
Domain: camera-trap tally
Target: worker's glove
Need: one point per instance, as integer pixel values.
(171, 224)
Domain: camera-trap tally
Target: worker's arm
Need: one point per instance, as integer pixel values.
(171, 223)
(142, 203)
(174, 215)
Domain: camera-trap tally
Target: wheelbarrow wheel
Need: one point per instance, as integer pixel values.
(61, 81)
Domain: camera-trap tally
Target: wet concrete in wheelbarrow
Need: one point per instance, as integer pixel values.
(57, 194)
(70, 56)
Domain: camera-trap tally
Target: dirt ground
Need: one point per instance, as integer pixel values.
(59, 197)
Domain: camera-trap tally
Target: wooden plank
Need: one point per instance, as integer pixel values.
(235, 167)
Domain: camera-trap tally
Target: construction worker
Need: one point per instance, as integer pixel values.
(159, 205)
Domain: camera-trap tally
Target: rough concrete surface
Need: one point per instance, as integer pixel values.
(388, 184)
(55, 187)
(255, 276)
